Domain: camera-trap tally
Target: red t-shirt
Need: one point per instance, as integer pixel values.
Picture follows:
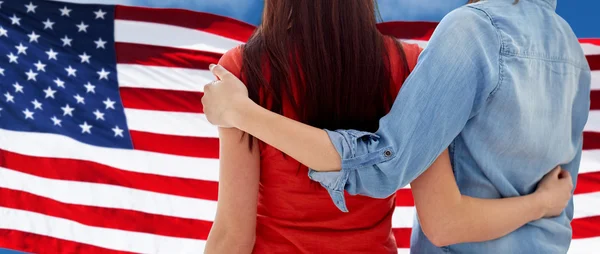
(296, 215)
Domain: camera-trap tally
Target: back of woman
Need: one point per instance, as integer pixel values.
(308, 61)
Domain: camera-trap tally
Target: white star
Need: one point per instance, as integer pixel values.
(67, 110)
(52, 54)
(100, 14)
(85, 128)
(9, 97)
(30, 7)
(48, 24)
(1, 2)
(109, 103)
(79, 99)
(59, 83)
(28, 114)
(99, 115)
(85, 58)
(37, 104)
(66, 41)
(103, 74)
(18, 88)
(49, 93)
(31, 75)
(21, 49)
(90, 88)
(71, 71)
(82, 27)
(3, 32)
(0, 111)
(33, 37)
(40, 66)
(118, 132)
(15, 20)
(56, 121)
(2, 71)
(12, 58)
(65, 11)
(100, 43)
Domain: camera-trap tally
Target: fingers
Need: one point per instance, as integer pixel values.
(566, 176)
(219, 71)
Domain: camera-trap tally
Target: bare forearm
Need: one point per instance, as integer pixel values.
(309, 145)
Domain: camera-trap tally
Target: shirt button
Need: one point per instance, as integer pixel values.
(387, 153)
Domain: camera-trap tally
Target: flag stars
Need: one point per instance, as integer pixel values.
(30, 7)
(33, 37)
(48, 24)
(85, 58)
(103, 74)
(71, 71)
(89, 88)
(118, 132)
(9, 97)
(86, 128)
(59, 83)
(28, 114)
(3, 32)
(52, 54)
(36, 104)
(79, 99)
(21, 49)
(18, 88)
(12, 58)
(100, 43)
(100, 14)
(82, 27)
(14, 20)
(67, 110)
(49, 93)
(66, 41)
(56, 121)
(31, 75)
(65, 11)
(109, 103)
(99, 115)
(2, 71)
(40, 66)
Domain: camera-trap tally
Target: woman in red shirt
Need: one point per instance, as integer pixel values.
(307, 61)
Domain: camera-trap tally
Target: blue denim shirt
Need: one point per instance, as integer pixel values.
(506, 88)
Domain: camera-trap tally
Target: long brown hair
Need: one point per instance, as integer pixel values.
(325, 58)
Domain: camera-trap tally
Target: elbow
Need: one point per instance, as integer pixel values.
(437, 232)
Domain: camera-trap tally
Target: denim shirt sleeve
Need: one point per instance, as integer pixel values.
(456, 74)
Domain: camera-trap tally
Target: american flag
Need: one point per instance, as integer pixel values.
(103, 144)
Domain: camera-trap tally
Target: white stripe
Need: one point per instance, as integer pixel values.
(403, 217)
(169, 78)
(58, 146)
(171, 36)
(170, 123)
(404, 251)
(584, 246)
(593, 122)
(590, 49)
(595, 80)
(109, 196)
(590, 161)
(114, 239)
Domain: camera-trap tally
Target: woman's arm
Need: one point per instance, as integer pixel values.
(235, 223)
(447, 217)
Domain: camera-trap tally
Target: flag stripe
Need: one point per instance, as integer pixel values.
(102, 237)
(402, 236)
(593, 123)
(583, 246)
(161, 100)
(201, 21)
(595, 80)
(584, 228)
(590, 161)
(192, 125)
(149, 55)
(594, 61)
(591, 140)
(57, 146)
(595, 100)
(157, 77)
(202, 147)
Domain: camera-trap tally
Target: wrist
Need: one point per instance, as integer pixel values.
(540, 202)
(240, 110)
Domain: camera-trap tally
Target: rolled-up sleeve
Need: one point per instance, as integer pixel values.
(456, 74)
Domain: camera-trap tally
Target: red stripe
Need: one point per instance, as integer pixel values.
(162, 100)
(206, 22)
(128, 53)
(34, 243)
(586, 227)
(404, 198)
(91, 172)
(402, 236)
(595, 99)
(408, 30)
(177, 145)
(588, 182)
(591, 140)
(594, 61)
(122, 219)
(595, 41)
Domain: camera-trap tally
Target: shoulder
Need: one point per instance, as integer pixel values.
(232, 60)
(412, 52)
(470, 19)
